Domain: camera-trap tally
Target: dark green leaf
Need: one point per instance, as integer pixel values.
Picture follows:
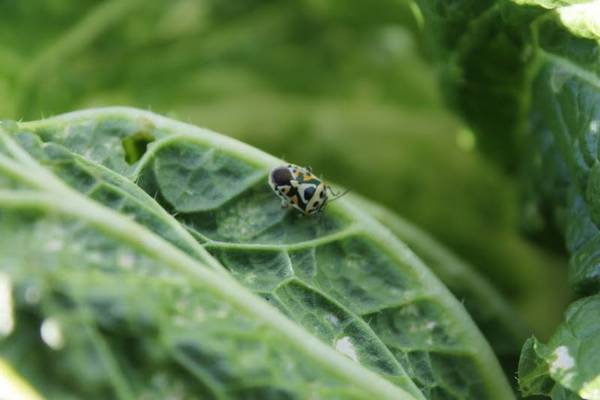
(548, 91)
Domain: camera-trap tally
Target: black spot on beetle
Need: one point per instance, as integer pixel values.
(309, 192)
(281, 176)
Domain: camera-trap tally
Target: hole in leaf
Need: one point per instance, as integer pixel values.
(136, 145)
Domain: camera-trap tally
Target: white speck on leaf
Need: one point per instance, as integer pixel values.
(562, 360)
(7, 322)
(126, 261)
(32, 294)
(199, 314)
(333, 319)
(431, 325)
(345, 346)
(52, 335)
(54, 245)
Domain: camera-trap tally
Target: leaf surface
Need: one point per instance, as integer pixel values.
(549, 96)
(567, 365)
(492, 313)
(123, 313)
(343, 277)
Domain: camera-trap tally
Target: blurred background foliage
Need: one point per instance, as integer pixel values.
(343, 87)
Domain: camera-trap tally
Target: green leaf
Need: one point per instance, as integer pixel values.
(554, 47)
(269, 72)
(481, 68)
(123, 313)
(496, 318)
(569, 362)
(341, 276)
(534, 376)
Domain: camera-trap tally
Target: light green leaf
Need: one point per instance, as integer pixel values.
(104, 308)
(569, 362)
(343, 277)
(499, 322)
(268, 73)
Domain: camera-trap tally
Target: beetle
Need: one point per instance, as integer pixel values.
(298, 187)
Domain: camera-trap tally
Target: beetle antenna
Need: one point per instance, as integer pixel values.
(337, 195)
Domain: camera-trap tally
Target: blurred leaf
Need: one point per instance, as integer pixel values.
(555, 78)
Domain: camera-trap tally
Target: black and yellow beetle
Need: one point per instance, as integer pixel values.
(298, 187)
